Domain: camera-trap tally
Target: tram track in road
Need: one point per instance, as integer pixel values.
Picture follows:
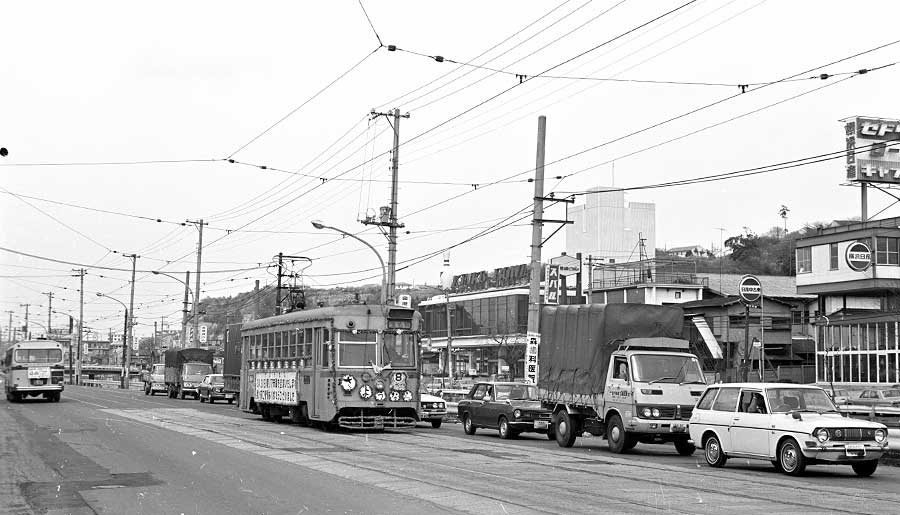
(317, 449)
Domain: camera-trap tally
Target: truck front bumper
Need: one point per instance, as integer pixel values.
(670, 428)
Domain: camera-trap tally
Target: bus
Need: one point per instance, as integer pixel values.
(353, 366)
(34, 368)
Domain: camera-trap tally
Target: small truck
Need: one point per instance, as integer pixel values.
(619, 371)
(185, 369)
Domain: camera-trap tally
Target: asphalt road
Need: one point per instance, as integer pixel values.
(115, 451)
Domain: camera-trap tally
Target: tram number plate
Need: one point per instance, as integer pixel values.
(541, 424)
(855, 450)
(379, 422)
(38, 372)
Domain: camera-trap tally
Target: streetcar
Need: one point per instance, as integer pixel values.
(34, 368)
(354, 366)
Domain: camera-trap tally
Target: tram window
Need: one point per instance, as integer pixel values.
(265, 346)
(309, 339)
(398, 350)
(356, 349)
(277, 349)
(292, 343)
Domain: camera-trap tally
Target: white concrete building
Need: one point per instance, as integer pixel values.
(607, 227)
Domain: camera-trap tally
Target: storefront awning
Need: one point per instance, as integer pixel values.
(708, 337)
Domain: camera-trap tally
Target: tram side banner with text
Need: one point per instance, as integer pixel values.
(873, 149)
(276, 387)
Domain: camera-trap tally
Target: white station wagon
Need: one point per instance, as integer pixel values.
(790, 425)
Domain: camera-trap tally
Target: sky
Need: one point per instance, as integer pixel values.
(121, 121)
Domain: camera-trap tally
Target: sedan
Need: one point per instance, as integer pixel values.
(791, 426)
(432, 409)
(212, 388)
(511, 408)
(880, 397)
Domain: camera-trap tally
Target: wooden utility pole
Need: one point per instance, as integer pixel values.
(9, 329)
(278, 286)
(78, 363)
(26, 306)
(392, 222)
(129, 324)
(49, 295)
(196, 314)
(184, 311)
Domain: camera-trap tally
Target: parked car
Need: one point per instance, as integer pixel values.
(451, 398)
(879, 397)
(791, 426)
(512, 408)
(432, 409)
(839, 396)
(212, 388)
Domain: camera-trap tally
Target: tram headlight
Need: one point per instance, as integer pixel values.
(379, 395)
(379, 385)
(365, 391)
(407, 396)
(822, 435)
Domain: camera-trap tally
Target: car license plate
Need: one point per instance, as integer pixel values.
(229, 396)
(855, 450)
(38, 372)
(541, 424)
(677, 428)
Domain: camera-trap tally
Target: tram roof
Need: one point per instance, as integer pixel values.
(323, 313)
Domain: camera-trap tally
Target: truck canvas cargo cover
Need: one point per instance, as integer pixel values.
(577, 341)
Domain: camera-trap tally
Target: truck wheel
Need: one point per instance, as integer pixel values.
(865, 468)
(436, 423)
(616, 436)
(712, 450)
(211, 400)
(565, 429)
(551, 433)
(505, 431)
(146, 391)
(468, 426)
(684, 447)
(792, 460)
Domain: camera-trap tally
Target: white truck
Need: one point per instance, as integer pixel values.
(619, 371)
(156, 379)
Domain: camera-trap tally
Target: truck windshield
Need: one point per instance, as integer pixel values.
(158, 369)
(666, 368)
(193, 369)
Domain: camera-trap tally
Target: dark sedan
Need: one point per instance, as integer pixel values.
(213, 388)
(512, 408)
(881, 397)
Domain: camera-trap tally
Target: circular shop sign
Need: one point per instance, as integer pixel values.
(859, 256)
(750, 289)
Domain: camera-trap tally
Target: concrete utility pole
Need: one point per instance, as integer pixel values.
(534, 293)
(81, 272)
(9, 329)
(130, 321)
(26, 319)
(391, 221)
(196, 314)
(184, 312)
(278, 287)
(49, 295)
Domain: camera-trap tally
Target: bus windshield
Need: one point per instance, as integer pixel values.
(37, 355)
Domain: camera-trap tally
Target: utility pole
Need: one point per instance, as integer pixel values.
(129, 322)
(26, 320)
(81, 272)
(196, 314)
(184, 312)
(49, 295)
(278, 287)
(391, 212)
(256, 300)
(534, 291)
(9, 329)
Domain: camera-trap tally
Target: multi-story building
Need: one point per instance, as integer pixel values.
(607, 227)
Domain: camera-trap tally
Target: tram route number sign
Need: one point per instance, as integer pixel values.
(859, 256)
(276, 387)
(750, 289)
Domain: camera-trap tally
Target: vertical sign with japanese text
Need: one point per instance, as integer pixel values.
(531, 357)
(551, 285)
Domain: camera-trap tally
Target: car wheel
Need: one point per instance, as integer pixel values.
(565, 429)
(202, 400)
(436, 423)
(791, 458)
(684, 447)
(777, 465)
(616, 436)
(146, 391)
(211, 400)
(712, 450)
(181, 393)
(505, 431)
(468, 426)
(865, 468)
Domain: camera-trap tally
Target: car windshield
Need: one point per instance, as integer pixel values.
(666, 368)
(891, 393)
(217, 380)
(784, 400)
(516, 392)
(193, 369)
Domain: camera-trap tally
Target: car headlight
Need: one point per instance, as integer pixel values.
(646, 412)
(655, 412)
(439, 405)
(880, 435)
(822, 435)
(517, 413)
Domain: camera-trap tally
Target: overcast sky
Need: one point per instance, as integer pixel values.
(111, 82)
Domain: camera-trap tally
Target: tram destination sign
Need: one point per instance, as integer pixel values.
(750, 289)
(859, 256)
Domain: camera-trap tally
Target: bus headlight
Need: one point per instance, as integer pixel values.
(822, 435)
(517, 413)
(655, 412)
(880, 435)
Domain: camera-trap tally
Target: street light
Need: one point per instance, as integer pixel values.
(187, 290)
(125, 349)
(319, 225)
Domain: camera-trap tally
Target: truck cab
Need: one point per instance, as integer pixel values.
(652, 386)
(191, 376)
(156, 379)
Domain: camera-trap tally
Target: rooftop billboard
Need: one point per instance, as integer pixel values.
(873, 149)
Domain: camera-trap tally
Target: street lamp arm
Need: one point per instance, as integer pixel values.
(319, 225)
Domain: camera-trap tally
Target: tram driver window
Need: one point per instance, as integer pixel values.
(398, 349)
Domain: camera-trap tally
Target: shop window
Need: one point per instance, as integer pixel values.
(887, 252)
(833, 256)
(804, 260)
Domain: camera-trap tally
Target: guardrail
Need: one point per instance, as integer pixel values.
(886, 415)
(111, 383)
